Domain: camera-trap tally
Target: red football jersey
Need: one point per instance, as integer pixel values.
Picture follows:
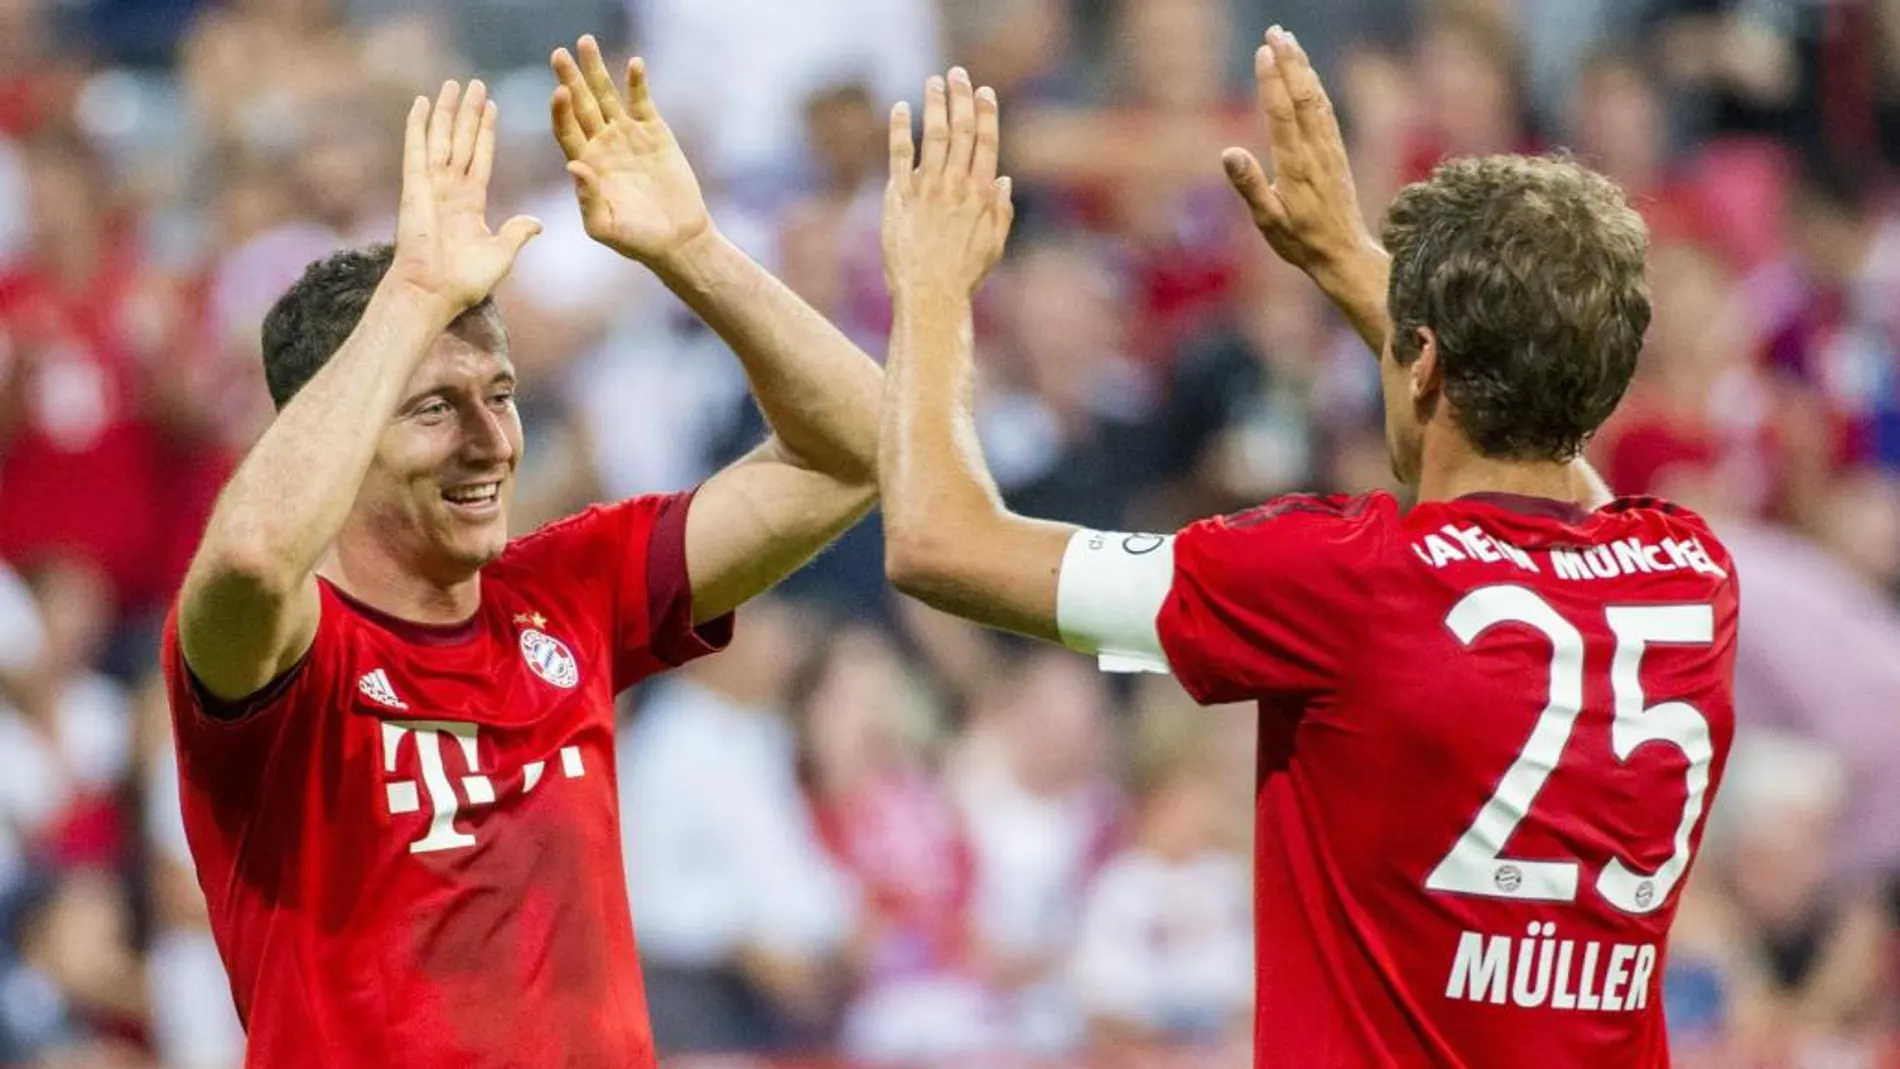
(1490, 730)
(410, 844)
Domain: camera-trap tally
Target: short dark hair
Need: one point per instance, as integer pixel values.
(319, 312)
(1529, 272)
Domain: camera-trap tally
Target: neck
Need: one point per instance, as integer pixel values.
(1449, 468)
(372, 577)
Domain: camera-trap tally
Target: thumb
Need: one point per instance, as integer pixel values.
(585, 176)
(1250, 180)
(519, 231)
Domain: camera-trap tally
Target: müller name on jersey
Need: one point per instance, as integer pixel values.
(1540, 969)
(1452, 544)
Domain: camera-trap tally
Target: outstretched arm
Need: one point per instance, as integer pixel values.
(949, 542)
(249, 607)
(1308, 210)
(760, 519)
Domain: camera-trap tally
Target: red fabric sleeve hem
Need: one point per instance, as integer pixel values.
(1180, 654)
(226, 711)
(674, 639)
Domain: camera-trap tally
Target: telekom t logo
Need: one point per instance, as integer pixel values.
(444, 802)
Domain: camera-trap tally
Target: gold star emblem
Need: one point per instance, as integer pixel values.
(524, 619)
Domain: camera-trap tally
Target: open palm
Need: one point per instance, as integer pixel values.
(444, 247)
(637, 193)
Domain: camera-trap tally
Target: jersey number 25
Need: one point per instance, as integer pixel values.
(1475, 865)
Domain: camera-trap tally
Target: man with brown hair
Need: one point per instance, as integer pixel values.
(1491, 724)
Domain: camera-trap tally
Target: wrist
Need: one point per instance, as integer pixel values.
(909, 295)
(1362, 264)
(697, 257)
(420, 304)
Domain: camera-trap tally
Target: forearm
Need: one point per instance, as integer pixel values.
(819, 392)
(1357, 287)
(290, 496)
(949, 540)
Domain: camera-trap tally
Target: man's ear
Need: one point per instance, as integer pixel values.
(1426, 374)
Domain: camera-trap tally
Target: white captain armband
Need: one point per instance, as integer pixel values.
(1110, 590)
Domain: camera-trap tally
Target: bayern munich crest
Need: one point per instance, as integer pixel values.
(549, 658)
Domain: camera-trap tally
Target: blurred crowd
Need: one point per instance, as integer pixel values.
(868, 829)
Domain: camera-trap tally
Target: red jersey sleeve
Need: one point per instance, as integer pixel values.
(1263, 601)
(225, 749)
(636, 551)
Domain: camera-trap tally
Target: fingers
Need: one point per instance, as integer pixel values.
(601, 83)
(639, 99)
(468, 126)
(415, 145)
(962, 149)
(586, 108)
(442, 124)
(1312, 109)
(567, 128)
(482, 163)
(989, 138)
(1004, 207)
(903, 153)
(1283, 125)
(1244, 171)
(936, 128)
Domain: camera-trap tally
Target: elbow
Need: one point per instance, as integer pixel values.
(248, 567)
(916, 560)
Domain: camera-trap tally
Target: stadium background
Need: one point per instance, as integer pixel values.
(868, 831)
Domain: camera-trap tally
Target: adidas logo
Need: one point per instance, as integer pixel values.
(376, 686)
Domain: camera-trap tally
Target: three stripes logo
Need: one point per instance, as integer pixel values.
(375, 686)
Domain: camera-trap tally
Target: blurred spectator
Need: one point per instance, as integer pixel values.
(1817, 76)
(38, 79)
(1165, 951)
(1257, 396)
(193, 1022)
(1817, 659)
(1144, 165)
(1702, 421)
(1859, 522)
(828, 249)
(741, 915)
(746, 129)
(1062, 438)
(894, 830)
(1834, 326)
(70, 991)
(1043, 816)
(65, 739)
(249, 64)
(1469, 68)
(1020, 48)
(80, 322)
(1788, 959)
(1618, 121)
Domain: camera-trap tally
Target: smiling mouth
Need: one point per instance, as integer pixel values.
(473, 496)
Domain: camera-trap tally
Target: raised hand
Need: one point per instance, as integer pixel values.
(1308, 211)
(637, 193)
(444, 249)
(946, 218)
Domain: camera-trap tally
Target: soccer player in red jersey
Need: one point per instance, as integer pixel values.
(1492, 723)
(395, 726)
